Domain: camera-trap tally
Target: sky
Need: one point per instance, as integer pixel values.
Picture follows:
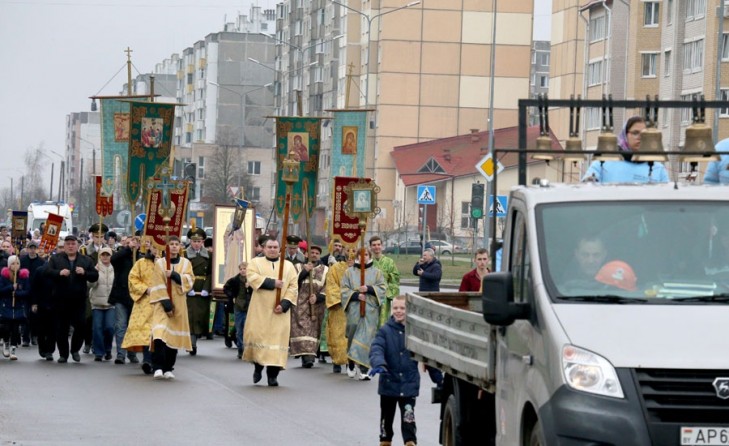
(57, 53)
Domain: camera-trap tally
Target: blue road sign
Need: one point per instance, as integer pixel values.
(426, 194)
(501, 202)
(139, 221)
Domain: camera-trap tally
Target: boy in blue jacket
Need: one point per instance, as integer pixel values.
(399, 380)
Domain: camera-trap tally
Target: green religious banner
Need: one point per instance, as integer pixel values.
(150, 141)
(298, 138)
(114, 139)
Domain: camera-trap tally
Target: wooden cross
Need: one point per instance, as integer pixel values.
(129, 53)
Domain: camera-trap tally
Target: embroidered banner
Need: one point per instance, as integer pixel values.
(343, 226)
(20, 228)
(104, 204)
(51, 232)
(300, 137)
(150, 142)
(348, 143)
(165, 194)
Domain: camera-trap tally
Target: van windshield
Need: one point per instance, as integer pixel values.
(655, 252)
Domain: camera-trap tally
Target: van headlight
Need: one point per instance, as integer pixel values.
(588, 372)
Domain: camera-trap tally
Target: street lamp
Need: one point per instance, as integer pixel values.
(369, 37)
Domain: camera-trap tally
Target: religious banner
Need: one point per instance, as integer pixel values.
(19, 228)
(51, 232)
(150, 143)
(104, 204)
(165, 197)
(300, 138)
(114, 139)
(348, 143)
(344, 227)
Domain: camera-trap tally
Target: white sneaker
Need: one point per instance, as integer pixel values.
(362, 376)
(6, 351)
(352, 372)
(169, 375)
(158, 374)
(12, 354)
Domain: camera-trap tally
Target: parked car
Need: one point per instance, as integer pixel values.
(413, 247)
(443, 248)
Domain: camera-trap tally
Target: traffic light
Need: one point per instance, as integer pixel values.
(476, 200)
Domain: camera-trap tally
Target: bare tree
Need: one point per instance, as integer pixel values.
(225, 170)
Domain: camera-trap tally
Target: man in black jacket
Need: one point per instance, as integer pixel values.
(70, 271)
(122, 261)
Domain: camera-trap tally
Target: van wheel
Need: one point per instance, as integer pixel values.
(537, 436)
(451, 420)
(445, 253)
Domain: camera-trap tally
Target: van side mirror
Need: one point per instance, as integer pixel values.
(497, 296)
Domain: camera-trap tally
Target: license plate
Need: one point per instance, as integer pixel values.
(709, 436)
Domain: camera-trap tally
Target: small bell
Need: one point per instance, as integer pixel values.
(573, 144)
(607, 147)
(544, 142)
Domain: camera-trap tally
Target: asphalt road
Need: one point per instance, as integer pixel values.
(212, 401)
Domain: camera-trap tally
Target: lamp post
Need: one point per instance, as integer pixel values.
(369, 37)
(61, 175)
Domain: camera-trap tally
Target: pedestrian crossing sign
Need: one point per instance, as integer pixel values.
(426, 194)
(498, 209)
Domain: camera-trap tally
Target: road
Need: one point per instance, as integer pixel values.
(212, 401)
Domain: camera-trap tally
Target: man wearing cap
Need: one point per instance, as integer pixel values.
(293, 254)
(30, 261)
(307, 316)
(198, 298)
(267, 329)
(70, 272)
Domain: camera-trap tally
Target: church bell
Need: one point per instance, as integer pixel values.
(651, 140)
(699, 144)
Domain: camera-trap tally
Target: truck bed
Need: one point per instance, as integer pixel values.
(447, 331)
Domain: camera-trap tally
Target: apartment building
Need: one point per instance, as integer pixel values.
(424, 68)
(539, 75)
(636, 49)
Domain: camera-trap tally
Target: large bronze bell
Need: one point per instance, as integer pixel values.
(607, 147)
(544, 142)
(699, 144)
(651, 140)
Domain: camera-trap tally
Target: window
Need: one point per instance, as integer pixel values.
(724, 112)
(534, 57)
(466, 221)
(201, 113)
(254, 194)
(188, 137)
(650, 14)
(686, 112)
(592, 119)
(669, 12)
(649, 62)
(695, 9)
(725, 46)
(201, 167)
(667, 63)
(520, 262)
(189, 78)
(544, 81)
(693, 56)
(594, 73)
(597, 28)
(533, 78)
(254, 167)
(543, 58)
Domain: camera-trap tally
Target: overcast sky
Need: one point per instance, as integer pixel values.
(57, 53)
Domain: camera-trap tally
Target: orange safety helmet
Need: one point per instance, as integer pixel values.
(618, 274)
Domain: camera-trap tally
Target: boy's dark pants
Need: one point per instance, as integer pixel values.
(388, 404)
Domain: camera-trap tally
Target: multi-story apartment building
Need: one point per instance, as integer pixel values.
(539, 75)
(637, 48)
(81, 159)
(423, 68)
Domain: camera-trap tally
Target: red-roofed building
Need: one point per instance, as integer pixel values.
(450, 165)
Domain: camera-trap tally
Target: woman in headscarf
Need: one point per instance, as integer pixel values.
(627, 170)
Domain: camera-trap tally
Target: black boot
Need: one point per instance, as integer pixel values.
(257, 373)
